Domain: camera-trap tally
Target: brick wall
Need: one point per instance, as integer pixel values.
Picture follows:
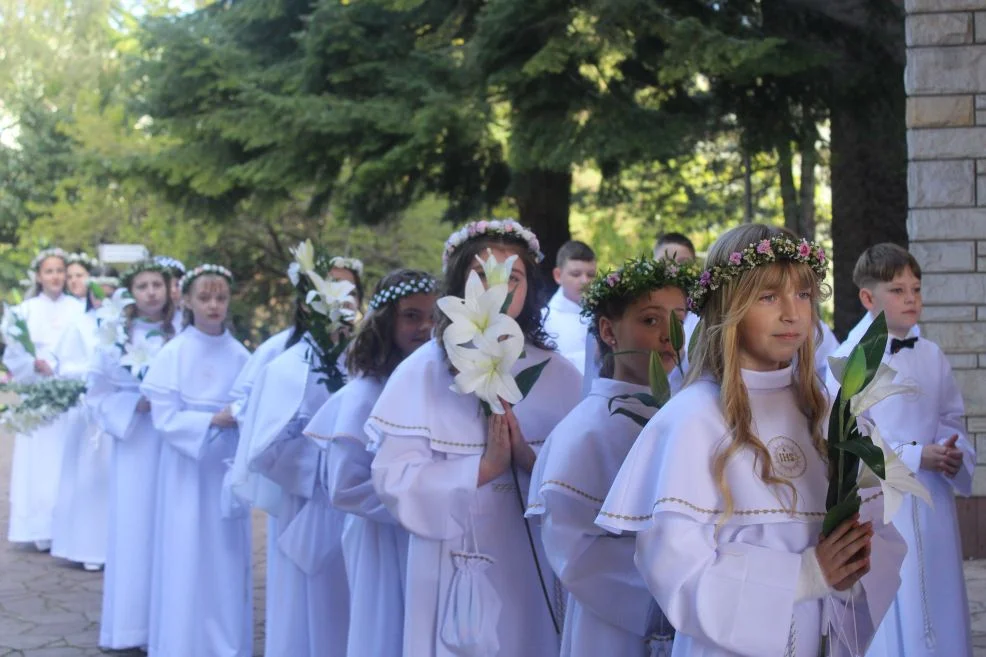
(946, 142)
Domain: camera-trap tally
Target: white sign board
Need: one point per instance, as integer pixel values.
(122, 254)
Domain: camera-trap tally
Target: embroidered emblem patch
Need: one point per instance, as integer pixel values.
(789, 459)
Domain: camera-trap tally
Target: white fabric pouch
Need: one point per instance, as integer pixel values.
(308, 539)
(472, 607)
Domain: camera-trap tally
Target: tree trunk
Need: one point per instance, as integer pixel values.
(869, 185)
(789, 194)
(809, 158)
(543, 198)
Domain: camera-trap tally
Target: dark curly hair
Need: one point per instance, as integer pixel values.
(531, 320)
(373, 352)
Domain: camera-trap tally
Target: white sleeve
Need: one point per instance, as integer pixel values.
(951, 422)
(595, 566)
(187, 431)
(350, 482)
(19, 362)
(429, 494)
(736, 596)
(115, 410)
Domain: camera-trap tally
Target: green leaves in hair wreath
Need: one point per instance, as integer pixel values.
(858, 456)
(660, 386)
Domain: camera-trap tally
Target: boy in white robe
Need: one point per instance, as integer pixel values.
(201, 583)
(37, 460)
(609, 609)
(576, 266)
(930, 614)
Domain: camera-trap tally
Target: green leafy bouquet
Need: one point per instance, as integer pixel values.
(25, 407)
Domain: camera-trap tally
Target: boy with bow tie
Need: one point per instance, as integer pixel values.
(930, 615)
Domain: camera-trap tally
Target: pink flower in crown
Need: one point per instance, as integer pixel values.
(763, 248)
(672, 270)
(821, 254)
(613, 279)
(705, 279)
(482, 226)
(735, 258)
(472, 230)
(508, 227)
(804, 250)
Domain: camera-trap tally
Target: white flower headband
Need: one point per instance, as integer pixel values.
(423, 285)
(354, 265)
(173, 264)
(491, 227)
(45, 254)
(83, 259)
(202, 270)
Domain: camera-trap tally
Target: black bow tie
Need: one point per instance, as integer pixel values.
(896, 345)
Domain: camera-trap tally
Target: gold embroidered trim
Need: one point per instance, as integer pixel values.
(399, 426)
(584, 494)
(741, 512)
(317, 436)
(469, 555)
(446, 442)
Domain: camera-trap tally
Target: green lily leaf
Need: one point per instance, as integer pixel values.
(693, 342)
(659, 386)
(506, 302)
(868, 453)
(528, 377)
(854, 376)
(97, 291)
(644, 398)
(874, 344)
(677, 333)
(639, 419)
(840, 513)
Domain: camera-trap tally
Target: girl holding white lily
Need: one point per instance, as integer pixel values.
(609, 610)
(478, 582)
(200, 584)
(374, 546)
(726, 485)
(31, 332)
(132, 326)
(80, 526)
(308, 602)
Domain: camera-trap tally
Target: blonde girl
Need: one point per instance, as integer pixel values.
(726, 485)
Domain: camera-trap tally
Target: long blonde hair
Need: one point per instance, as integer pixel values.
(717, 347)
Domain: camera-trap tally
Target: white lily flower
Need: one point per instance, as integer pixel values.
(486, 371)
(8, 324)
(899, 481)
(112, 308)
(331, 298)
(139, 353)
(304, 255)
(497, 273)
(109, 333)
(881, 387)
(294, 273)
(477, 314)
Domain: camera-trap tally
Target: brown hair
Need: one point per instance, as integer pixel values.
(717, 348)
(574, 250)
(167, 315)
(881, 263)
(373, 352)
(460, 262)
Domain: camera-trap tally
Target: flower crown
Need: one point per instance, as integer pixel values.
(764, 252)
(354, 265)
(83, 259)
(636, 277)
(44, 254)
(139, 268)
(203, 270)
(491, 227)
(174, 264)
(422, 285)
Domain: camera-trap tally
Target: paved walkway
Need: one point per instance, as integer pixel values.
(50, 607)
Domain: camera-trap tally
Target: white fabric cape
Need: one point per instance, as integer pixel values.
(609, 610)
(728, 587)
(36, 465)
(112, 395)
(373, 544)
(930, 614)
(429, 443)
(308, 613)
(201, 584)
(80, 528)
(242, 486)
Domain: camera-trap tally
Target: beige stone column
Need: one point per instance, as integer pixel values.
(946, 140)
